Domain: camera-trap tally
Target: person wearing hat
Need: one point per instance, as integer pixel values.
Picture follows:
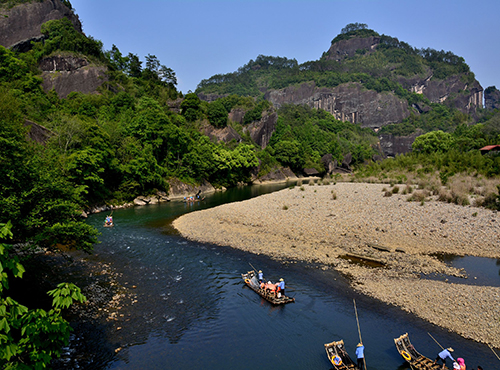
(360, 354)
(281, 285)
(443, 355)
(461, 363)
(261, 276)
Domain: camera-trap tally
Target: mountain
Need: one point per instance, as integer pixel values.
(365, 78)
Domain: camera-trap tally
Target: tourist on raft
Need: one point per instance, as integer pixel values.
(443, 355)
(109, 220)
(261, 276)
(461, 363)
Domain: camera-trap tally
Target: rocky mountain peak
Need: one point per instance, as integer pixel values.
(343, 49)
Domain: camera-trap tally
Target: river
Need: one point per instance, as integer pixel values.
(186, 306)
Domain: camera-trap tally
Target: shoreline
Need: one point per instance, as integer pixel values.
(324, 223)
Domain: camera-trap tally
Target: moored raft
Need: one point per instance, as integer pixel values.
(251, 281)
(338, 356)
(413, 357)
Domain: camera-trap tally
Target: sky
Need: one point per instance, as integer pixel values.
(201, 38)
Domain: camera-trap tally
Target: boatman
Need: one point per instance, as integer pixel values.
(281, 285)
(360, 354)
(261, 276)
(443, 355)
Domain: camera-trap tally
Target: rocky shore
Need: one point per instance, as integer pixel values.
(340, 223)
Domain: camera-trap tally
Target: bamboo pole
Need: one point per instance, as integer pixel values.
(435, 341)
(254, 269)
(359, 330)
(492, 350)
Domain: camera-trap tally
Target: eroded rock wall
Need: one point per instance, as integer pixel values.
(347, 102)
(262, 130)
(22, 23)
(492, 98)
(394, 145)
(453, 91)
(66, 74)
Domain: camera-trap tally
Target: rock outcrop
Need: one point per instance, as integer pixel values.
(347, 102)
(22, 23)
(452, 91)
(225, 134)
(179, 189)
(67, 73)
(261, 131)
(237, 115)
(394, 145)
(277, 174)
(348, 48)
(37, 132)
(492, 98)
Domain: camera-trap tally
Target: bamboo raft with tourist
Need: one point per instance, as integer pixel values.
(416, 360)
(108, 222)
(338, 356)
(270, 292)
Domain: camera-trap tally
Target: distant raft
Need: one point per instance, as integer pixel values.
(338, 356)
(251, 281)
(411, 355)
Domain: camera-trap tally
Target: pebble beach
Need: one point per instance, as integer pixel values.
(336, 224)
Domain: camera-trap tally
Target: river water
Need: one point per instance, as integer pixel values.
(191, 310)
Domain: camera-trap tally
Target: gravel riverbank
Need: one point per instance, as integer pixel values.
(331, 223)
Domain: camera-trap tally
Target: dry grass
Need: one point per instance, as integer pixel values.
(462, 188)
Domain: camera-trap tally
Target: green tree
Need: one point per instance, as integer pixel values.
(60, 34)
(217, 114)
(288, 153)
(134, 65)
(191, 107)
(30, 338)
(434, 141)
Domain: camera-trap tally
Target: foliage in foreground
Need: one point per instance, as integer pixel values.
(30, 337)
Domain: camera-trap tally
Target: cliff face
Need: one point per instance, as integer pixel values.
(23, 22)
(347, 102)
(66, 74)
(492, 98)
(451, 91)
(262, 130)
(393, 145)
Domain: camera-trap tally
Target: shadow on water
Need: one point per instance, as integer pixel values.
(183, 305)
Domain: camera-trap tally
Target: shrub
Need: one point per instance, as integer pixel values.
(419, 196)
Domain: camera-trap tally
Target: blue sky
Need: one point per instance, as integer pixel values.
(200, 38)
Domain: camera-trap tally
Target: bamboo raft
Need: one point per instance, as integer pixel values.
(251, 281)
(338, 356)
(413, 357)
